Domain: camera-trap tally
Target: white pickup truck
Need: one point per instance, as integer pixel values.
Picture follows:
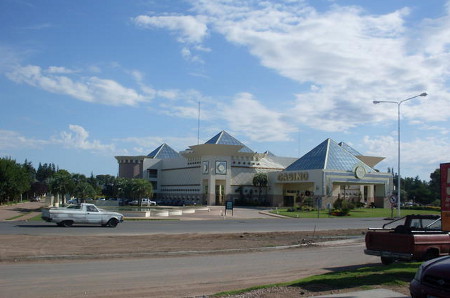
(81, 214)
(144, 201)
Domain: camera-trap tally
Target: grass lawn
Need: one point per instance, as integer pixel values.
(360, 212)
(364, 277)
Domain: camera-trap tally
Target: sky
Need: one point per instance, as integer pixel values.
(84, 81)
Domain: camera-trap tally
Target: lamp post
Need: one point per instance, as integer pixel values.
(398, 139)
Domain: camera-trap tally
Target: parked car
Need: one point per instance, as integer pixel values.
(144, 202)
(432, 279)
(73, 202)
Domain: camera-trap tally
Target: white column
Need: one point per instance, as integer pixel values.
(371, 194)
(212, 190)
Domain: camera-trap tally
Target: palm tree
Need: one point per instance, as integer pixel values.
(260, 180)
(141, 188)
(84, 190)
(61, 184)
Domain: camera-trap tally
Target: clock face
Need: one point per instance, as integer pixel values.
(360, 172)
(221, 167)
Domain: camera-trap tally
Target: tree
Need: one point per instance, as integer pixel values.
(78, 178)
(84, 190)
(61, 184)
(120, 188)
(39, 188)
(92, 181)
(45, 172)
(31, 174)
(435, 184)
(260, 180)
(106, 183)
(14, 180)
(140, 188)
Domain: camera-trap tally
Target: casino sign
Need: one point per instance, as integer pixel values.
(293, 177)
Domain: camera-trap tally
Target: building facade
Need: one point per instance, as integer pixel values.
(223, 169)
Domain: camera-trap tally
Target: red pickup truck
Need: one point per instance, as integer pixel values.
(418, 238)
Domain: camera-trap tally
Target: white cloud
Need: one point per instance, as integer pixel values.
(59, 70)
(248, 116)
(190, 29)
(348, 55)
(14, 140)
(421, 156)
(90, 89)
(145, 145)
(78, 138)
(187, 55)
(436, 34)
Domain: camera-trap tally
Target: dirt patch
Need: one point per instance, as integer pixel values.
(32, 247)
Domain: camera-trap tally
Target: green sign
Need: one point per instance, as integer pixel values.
(229, 205)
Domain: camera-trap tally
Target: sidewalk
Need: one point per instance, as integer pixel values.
(377, 293)
(20, 211)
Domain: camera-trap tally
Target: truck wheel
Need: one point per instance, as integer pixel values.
(67, 223)
(386, 260)
(112, 223)
(430, 254)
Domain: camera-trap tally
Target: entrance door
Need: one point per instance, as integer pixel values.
(288, 201)
(220, 194)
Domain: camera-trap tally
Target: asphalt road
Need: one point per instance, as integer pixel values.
(195, 226)
(183, 276)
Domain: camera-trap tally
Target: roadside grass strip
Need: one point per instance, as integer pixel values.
(359, 212)
(18, 216)
(36, 218)
(364, 277)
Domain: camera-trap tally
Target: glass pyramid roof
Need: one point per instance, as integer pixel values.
(163, 152)
(269, 153)
(223, 138)
(349, 149)
(328, 156)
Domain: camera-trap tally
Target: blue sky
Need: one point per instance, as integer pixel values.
(83, 81)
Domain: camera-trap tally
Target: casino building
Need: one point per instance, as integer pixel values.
(223, 169)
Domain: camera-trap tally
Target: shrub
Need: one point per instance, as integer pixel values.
(342, 207)
(340, 212)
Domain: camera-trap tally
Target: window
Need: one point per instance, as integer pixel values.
(91, 209)
(152, 173)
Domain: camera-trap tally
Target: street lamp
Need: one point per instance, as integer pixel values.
(398, 140)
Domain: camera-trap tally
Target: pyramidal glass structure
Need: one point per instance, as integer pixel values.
(349, 149)
(163, 152)
(329, 155)
(223, 138)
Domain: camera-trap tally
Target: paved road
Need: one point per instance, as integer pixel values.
(178, 227)
(173, 276)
